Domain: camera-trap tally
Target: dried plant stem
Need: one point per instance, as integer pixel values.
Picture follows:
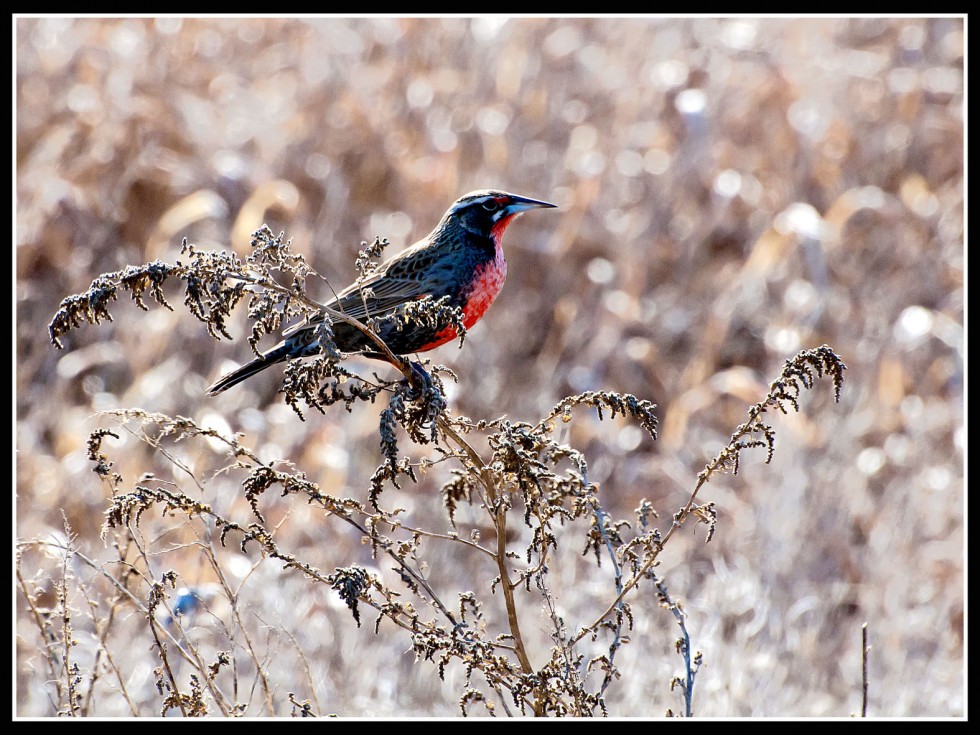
(782, 391)
(165, 663)
(50, 658)
(618, 579)
(306, 668)
(683, 644)
(455, 538)
(625, 588)
(102, 631)
(236, 612)
(67, 635)
(191, 653)
(406, 569)
(498, 513)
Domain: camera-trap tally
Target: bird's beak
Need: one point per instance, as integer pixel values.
(522, 204)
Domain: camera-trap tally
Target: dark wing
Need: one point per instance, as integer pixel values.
(411, 275)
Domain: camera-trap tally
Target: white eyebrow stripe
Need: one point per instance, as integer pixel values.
(467, 202)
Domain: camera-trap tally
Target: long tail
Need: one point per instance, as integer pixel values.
(236, 376)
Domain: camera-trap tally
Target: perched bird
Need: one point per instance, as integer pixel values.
(462, 259)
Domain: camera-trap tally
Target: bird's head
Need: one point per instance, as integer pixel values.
(488, 212)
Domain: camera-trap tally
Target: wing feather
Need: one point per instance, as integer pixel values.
(396, 281)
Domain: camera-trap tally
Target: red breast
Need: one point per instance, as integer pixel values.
(498, 210)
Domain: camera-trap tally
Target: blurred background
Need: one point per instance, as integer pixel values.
(730, 191)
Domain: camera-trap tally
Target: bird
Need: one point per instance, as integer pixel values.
(462, 259)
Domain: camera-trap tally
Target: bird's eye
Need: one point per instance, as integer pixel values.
(491, 205)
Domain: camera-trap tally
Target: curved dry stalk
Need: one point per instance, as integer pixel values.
(498, 514)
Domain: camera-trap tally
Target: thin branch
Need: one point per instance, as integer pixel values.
(683, 645)
(618, 579)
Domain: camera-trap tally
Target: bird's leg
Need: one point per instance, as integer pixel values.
(415, 374)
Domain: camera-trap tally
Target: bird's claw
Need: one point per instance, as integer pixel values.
(421, 382)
